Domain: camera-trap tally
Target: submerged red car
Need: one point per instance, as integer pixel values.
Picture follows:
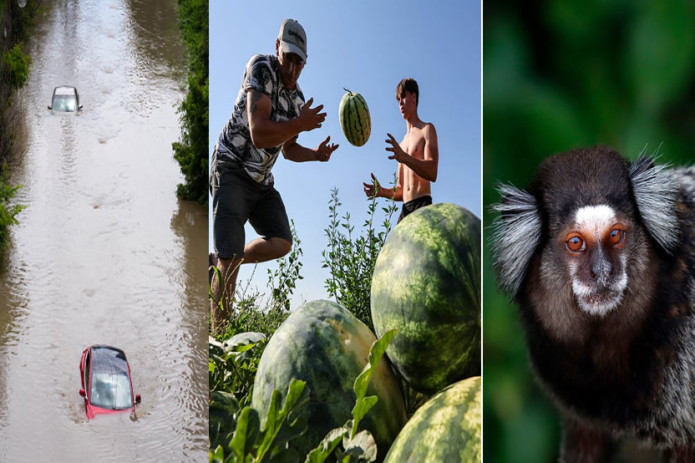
(106, 384)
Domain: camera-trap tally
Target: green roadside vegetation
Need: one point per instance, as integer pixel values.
(191, 151)
(15, 23)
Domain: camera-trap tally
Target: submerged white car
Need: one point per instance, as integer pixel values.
(65, 99)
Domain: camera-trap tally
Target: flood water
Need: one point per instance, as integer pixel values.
(104, 252)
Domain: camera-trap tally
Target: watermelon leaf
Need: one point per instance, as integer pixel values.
(223, 411)
(364, 404)
(360, 448)
(276, 418)
(361, 409)
(217, 456)
(250, 443)
(245, 433)
(327, 445)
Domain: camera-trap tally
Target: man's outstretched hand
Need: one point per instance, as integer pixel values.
(324, 151)
(372, 189)
(311, 118)
(398, 153)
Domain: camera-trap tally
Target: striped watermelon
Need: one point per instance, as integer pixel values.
(325, 345)
(426, 284)
(354, 118)
(445, 428)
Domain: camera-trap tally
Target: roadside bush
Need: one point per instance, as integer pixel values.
(191, 151)
(15, 66)
(8, 212)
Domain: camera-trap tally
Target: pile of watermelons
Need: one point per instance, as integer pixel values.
(426, 285)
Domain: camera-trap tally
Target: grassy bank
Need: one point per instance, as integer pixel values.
(15, 23)
(191, 151)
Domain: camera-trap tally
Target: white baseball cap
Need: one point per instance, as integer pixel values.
(292, 38)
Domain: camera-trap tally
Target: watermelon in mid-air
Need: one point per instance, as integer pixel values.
(426, 285)
(445, 428)
(354, 118)
(323, 344)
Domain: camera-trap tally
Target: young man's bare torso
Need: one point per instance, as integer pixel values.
(418, 143)
(417, 155)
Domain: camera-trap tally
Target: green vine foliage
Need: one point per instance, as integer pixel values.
(236, 434)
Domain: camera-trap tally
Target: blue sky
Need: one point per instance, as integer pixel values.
(367, 47)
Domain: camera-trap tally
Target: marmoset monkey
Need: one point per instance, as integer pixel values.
(599, 254)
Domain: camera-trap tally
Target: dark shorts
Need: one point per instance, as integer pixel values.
(415, 204)
(236, 198)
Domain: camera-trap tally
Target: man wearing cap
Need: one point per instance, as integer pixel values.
(269, 113)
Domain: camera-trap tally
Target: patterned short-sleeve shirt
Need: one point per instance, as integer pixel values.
(262, 73)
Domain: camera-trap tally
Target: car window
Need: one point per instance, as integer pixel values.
(111, 391)
(64, 103)
(110, 387)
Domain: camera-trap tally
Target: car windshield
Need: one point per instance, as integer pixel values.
(64, 103)
(110, 386)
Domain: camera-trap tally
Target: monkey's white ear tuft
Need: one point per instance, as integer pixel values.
(656, 193)
(516, 234)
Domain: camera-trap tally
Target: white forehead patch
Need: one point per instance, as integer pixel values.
(594, 218)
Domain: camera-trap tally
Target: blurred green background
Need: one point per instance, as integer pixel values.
(559, 75)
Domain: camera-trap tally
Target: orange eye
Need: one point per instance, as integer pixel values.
(616, 236)
(576, 244)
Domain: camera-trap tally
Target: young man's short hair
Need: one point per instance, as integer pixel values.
(408, 85)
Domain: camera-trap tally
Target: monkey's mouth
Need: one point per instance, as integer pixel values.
(599, 302)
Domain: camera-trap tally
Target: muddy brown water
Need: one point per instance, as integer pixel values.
(104, 252)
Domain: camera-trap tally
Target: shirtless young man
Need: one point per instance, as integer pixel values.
(417, 155)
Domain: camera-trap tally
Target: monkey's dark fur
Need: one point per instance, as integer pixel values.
(629, 368)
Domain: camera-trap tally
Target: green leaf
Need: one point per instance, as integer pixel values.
(246, 433)
(217, 456)
(361, 448)
(223, 410)
(286, 455)
(215, 345)
(274, 436)
(295, 427)
(363, 405)
(327, 445)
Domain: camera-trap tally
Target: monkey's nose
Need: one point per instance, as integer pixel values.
(600, 272)
(600, 266)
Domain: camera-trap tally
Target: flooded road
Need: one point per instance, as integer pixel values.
(104, 252)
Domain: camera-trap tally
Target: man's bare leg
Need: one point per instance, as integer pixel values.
(262, 250)
(258, 250)
(228, 269)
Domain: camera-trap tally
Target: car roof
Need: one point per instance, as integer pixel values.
(65, 90)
